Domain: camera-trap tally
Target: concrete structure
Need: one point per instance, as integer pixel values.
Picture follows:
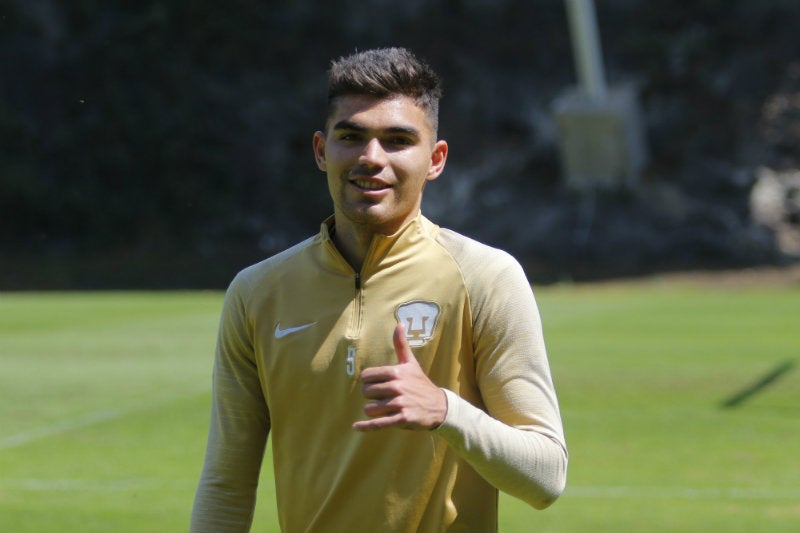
(600, 130)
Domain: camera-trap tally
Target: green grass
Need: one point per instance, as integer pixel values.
(104, 403)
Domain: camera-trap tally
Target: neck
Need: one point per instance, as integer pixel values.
(352, 244)
(353, 240)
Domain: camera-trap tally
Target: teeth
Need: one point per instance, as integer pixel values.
(372, 185)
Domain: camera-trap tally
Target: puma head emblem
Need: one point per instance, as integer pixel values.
(420, 320)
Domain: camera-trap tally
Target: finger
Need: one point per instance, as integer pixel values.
(378, 374)
(380, 408)
(379, 423)
(378, 391)
(401, 347)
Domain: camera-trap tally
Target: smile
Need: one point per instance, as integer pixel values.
(370, 185)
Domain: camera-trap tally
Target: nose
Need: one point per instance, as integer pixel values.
(373, 154)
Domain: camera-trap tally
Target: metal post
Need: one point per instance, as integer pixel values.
(586, 47)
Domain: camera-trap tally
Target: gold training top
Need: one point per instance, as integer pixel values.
(295, 333)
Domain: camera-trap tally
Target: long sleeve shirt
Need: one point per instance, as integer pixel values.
(297, 329)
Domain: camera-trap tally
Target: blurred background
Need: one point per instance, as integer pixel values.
(167, 144)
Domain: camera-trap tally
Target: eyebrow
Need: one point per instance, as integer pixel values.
(355, 126)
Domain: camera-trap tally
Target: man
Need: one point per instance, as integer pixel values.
(400, 367)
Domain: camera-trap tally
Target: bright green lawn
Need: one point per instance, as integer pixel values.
(104, 410)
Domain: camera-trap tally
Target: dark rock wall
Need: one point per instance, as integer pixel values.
(168, 144)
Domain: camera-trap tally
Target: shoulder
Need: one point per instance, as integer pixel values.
(476, 259)
(493, 278)
(254, 276)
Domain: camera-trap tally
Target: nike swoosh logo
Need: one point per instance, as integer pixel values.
(281, 333)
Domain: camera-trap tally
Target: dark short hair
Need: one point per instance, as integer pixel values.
(385, 73)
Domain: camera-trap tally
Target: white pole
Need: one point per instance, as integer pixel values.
(586, 47)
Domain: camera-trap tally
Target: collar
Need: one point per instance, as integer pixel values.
(387, 250)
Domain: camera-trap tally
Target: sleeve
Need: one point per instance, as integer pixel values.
(225, 498)
(517, 444)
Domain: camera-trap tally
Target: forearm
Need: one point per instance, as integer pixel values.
(226, 494)
(220, 507)
(524, 463)
(238, 431)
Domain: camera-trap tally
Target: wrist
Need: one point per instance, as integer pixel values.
(441, 411)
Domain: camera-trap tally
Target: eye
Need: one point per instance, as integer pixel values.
(399, 140)
(349, 136)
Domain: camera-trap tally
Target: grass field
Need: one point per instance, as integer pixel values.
(681, 404)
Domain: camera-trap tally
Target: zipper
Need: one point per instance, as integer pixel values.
(355, 325)
(354, 331)
(354, 328)
(351, 365)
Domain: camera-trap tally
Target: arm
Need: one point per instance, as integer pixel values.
(517, 444)
(522, 463)
(238, 432)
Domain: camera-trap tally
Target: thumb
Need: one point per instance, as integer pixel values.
(401, 347)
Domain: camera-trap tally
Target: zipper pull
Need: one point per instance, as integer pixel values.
(358, 281)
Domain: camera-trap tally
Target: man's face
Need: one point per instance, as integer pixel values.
(378, 155)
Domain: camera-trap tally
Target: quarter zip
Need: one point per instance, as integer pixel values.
(355, 324)
(358, 299)
(354, 333)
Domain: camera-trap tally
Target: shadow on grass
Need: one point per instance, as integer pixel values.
(756, 387)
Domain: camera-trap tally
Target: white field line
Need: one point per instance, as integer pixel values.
(91, 485)
(139, 485)
(89, 419)
(684, 493)
(24, 437)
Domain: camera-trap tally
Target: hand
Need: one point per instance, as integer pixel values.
(401, 395)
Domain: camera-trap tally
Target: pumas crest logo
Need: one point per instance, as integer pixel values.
(420, 321)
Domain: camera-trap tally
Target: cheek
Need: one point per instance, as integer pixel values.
(333, 185)
(337, 155)
(415, 166)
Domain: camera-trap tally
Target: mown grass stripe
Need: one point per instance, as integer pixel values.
(79, 422)
(597, 492)
(92, 418)
(683, 493)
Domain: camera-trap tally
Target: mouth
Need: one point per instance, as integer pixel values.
(370, 184)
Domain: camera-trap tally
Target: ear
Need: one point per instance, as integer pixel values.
(319, 150)
(438, 159)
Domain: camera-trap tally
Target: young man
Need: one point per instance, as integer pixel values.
(399, 366)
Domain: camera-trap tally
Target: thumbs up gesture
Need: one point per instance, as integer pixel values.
(401, 395)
